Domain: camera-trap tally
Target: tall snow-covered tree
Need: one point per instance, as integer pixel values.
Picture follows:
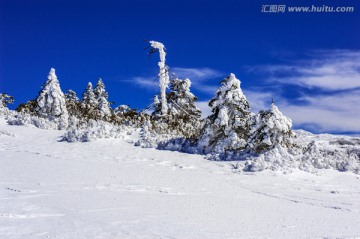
(228, 126)
(268, 129)
(89, 103)
(102, 96)
(51, 102)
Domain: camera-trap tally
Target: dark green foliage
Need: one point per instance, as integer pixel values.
(28, 107)
(73, 104)
(183, 116)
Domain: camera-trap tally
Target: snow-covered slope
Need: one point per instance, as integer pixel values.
(112, 189)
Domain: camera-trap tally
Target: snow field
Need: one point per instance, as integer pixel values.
(111, 189)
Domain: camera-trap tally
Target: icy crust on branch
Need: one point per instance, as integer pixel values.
(163, 74)
(227, 128)
(51, 102)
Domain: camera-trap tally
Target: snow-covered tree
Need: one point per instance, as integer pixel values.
(228, 127)
(182, 101)
(269, 128)
(102, 96)
(148, 138)
(183, 116)
(123, 114)
(6, 99)
(72, 103)
(51, 102)
(89, 103)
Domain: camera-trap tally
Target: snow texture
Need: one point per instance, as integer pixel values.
(93, 130)
(110, 189)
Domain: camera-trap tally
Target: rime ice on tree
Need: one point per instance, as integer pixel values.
(269, 128)
(51, 101)
(163, 75)
(102, 95)
(227, 128)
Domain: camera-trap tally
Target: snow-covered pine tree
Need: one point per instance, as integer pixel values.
(123, 114)
(183, 116)
(268, 129)
(5, 99)
(73, 103)
(148, 137)
(89, 104)
(102, 96)
(51, 102)
(228, 127)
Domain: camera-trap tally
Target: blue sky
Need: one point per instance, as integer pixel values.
(309, 62)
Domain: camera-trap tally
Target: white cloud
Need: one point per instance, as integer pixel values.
(328, 70)
(259, 100)
(337, 112)
(199, 78)
(331, 105)
(196, 74)
(144, 82)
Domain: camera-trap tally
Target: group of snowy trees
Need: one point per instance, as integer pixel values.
(231, 127)
(59, 108)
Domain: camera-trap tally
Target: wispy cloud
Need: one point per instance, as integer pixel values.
(331, 101)
(336, 113)
(200, 79)
(326, 70)
(259, 100)
(144, 82)
(196, 74)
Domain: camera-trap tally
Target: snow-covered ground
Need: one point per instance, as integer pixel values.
(111, 189)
